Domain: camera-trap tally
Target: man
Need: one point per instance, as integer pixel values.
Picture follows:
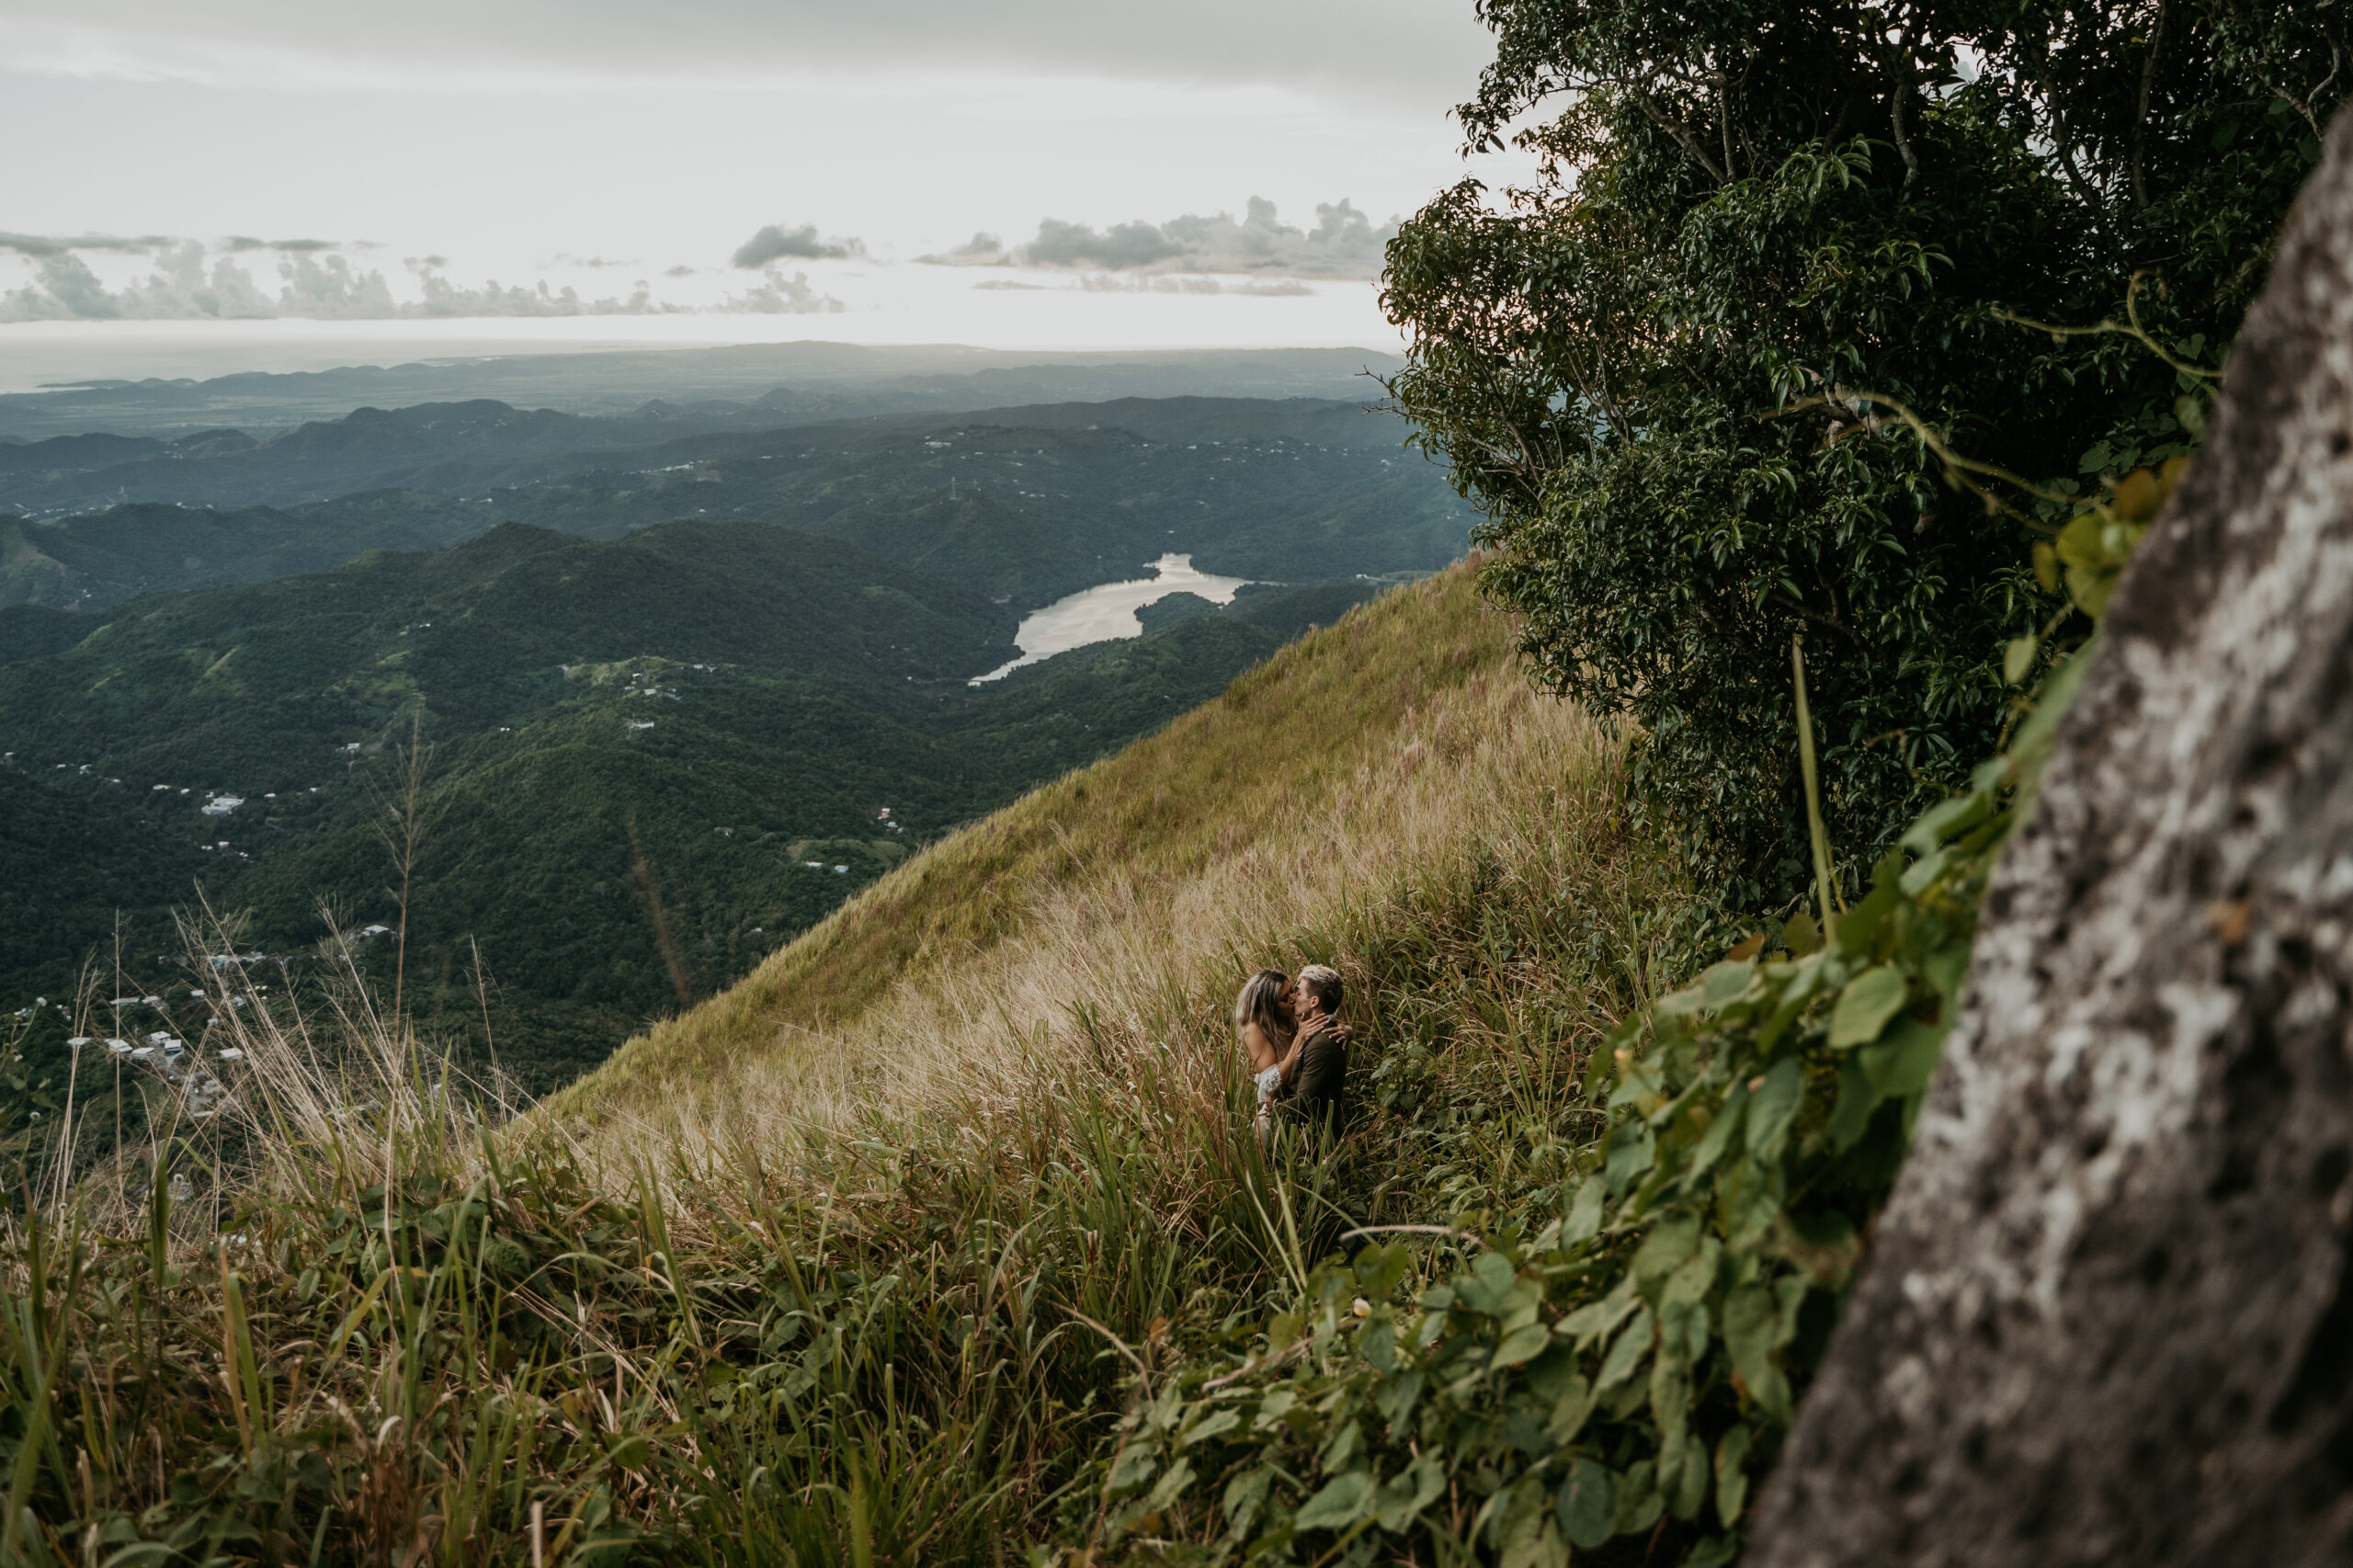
(1315, 1070)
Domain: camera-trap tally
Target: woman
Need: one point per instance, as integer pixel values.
(1263, 1016)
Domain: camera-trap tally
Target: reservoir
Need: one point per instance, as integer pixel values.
(1108, 611)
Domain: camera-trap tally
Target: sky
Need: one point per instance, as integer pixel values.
(1012, 173)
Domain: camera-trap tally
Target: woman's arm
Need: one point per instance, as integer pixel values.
(1290, 1062)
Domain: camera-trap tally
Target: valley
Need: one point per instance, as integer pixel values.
(664, 706)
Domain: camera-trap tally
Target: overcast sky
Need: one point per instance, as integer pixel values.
(779, 158)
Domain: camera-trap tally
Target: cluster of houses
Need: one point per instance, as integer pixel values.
(164, 1052)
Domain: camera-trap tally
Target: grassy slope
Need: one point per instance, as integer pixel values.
(715, 1322)
(1164, 809)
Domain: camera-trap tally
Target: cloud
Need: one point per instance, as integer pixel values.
(1074, 244)
(182, 287)
(237, 245)
(775, 243)
(189, 282)
(1344, 244)
(41, 247)
(780, 296)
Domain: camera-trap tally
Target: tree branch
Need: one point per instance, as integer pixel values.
(1724, 117)
(2063, 145)
(1903, 143)
(1675, 128)
(2141, 120)
(2304, 105)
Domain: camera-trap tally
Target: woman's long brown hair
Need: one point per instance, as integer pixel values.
(1261, 1003)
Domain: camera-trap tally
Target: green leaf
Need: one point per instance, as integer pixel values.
(1625, 1358)
(1135, 1467)
(1488, 1285)
(1903, 1063)
(1670, 1402)
(1244, 1494)
(1520, 1343)
(1379, 1269)
(2017, 658)
(1344, 1500)
(1718, 1137)
(1630, 1149)
(1639, 1504)
(1857, 1100)
(1395, 1398)
(1719, 986)
(1587, 1504)
(1570, 1412)
(1172, 1485)
(1584, 1214)
(1748, 1200)
(1408, 1492)
(1801, 936)
(1662, 1252)
(1209, 1425)
(1947, 819)
(1772, 1104)
(1595, 1319)
(1752, 1326)
(1732, 1482)
(1716, 1552)
(1690, 1283)
(1870, 1000)
(1860, 924)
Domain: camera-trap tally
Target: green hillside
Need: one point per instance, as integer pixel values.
(684, 719)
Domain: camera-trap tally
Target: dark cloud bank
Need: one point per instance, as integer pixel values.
(776, 243)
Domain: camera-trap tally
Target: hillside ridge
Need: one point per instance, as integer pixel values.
(1290, 734)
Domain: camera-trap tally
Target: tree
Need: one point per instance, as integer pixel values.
(2109, 1312)
(1640, 365)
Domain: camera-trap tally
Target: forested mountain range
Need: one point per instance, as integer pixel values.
(725, 677)
(1029, 503)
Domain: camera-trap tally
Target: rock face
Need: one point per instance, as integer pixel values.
(2108, 1315)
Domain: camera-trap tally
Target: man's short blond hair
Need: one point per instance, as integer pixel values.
(1322, 983)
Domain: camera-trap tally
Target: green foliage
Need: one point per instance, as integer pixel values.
(1631, 1368)
(1651, 368)
(1627, 1368)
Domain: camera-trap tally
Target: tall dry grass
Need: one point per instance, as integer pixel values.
(1118, 968)
(1349, 790)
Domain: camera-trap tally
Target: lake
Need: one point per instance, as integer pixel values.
(1108, 611)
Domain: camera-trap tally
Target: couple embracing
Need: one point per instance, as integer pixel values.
(1297, 1047)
